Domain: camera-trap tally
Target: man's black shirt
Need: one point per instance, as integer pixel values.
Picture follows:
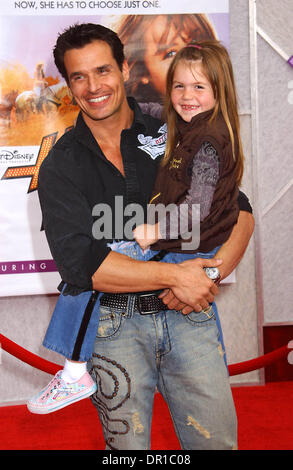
(76, 176)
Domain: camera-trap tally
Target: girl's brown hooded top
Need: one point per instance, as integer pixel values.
(173, 181)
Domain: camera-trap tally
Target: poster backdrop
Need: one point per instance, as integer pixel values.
(36, 109)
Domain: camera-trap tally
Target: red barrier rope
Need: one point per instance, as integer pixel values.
(51, 368)
(259, 362)
(28, 357)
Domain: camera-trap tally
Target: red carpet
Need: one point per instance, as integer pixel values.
(265, 422)
(265, 416)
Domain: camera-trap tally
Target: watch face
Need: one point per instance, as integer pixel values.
(212, 273)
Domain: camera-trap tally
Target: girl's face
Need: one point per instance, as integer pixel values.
(192, 92)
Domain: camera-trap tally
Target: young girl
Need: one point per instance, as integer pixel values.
(203, 165)
(203, 162)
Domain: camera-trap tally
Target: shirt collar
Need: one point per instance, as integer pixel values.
(138, 119)
(85, 136)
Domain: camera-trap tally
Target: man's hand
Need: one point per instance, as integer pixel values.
(168, 298)
(193, 290)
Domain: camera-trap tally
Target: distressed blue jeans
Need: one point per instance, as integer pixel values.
(179, 355)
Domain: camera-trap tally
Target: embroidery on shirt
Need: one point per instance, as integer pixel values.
(154, 146)
(175, 163)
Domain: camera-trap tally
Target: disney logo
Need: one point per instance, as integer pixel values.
(15, 155)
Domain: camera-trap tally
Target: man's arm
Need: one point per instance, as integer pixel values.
(119, 273)
(68, 221)
(233, 250)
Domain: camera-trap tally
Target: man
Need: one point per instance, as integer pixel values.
(140, 345)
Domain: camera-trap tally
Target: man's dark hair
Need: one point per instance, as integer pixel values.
(79, 35)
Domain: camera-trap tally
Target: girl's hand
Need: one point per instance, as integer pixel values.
(146, 235)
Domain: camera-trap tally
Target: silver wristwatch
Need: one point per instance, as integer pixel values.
(213, 274)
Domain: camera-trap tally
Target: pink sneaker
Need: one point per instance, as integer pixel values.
(58, 394)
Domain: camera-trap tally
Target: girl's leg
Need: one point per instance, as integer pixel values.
(61, 391)
(73, 370)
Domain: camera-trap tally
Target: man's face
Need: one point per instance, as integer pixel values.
(95, 80)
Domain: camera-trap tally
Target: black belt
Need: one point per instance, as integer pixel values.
(146, 304)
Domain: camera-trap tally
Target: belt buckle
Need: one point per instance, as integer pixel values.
(138, 297)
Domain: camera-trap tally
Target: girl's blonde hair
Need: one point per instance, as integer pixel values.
(218, 69)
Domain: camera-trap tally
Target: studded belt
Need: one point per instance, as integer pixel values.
(146, 304)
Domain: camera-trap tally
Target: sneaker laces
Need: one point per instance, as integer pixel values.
(55, 382)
